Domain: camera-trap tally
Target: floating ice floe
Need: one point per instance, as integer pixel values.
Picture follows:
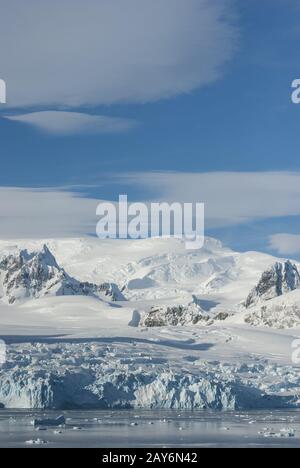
(283, 433)
(59, 421)
(36, 442)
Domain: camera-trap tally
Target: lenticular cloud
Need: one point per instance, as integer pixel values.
(73, 52)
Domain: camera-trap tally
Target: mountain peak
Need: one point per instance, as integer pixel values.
(47, 255)
(279, 279)
(32, 275)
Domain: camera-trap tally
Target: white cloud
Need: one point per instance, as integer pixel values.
(69, 123)
(42, 213)
(285, 244)
(231, 198)
(89, 52)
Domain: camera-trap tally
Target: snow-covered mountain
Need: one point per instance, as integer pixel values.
(158, 279)
(282, 312)
(280, 279)
(33, 275)
(275, 301)
(183, 337)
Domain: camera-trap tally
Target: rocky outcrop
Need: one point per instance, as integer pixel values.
(174, 316)
(280, 316)
(280, 279)
(32, 275)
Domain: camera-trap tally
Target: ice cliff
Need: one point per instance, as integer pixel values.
(94, 375)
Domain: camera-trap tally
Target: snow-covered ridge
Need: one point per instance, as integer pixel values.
(153, 274)
(275, 301)
(26, 275)
(281, 312)
(280, 279)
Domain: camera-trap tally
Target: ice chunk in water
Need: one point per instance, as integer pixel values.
(59, 421)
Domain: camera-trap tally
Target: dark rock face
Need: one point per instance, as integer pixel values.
(281, 278)
(174, 316)
(26, 275)
(222, 316)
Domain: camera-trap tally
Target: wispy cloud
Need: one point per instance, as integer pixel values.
(90, 52)
(285, 244)
(69, 123)
(42, 213)
(231, 198)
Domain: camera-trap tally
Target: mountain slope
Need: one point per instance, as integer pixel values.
(153, 274)
(280, 279)
(26, 275)
(281, 312)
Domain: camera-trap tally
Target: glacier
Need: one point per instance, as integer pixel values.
(93, 376)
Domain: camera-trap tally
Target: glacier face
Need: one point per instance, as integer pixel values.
(93, 375)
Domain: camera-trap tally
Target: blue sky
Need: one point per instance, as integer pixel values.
(237, 117)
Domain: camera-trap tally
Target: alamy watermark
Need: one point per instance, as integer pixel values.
(296, 93)
(2, 92)
(2, 352)
(125, 220)
(296, 351)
